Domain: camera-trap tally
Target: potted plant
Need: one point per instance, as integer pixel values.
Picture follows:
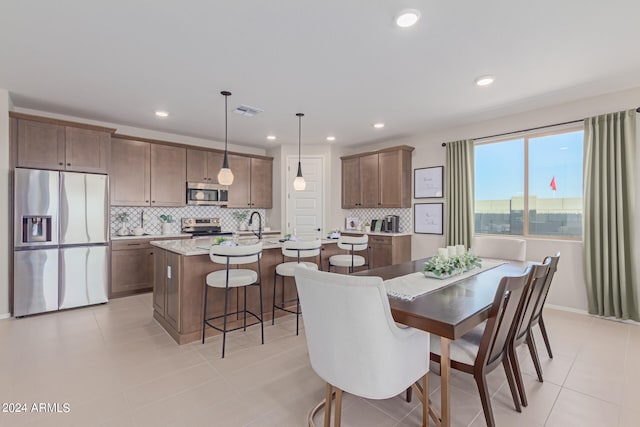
(166, 221)
(241, 217)
(367, 227)
(123, 217)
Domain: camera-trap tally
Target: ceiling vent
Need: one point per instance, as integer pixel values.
(246, 110)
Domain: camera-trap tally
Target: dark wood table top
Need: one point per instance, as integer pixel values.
(450, 311)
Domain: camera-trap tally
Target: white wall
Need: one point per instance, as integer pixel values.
(569, 288)
(5, 209)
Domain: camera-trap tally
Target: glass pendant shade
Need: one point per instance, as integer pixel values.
(299, 183)
(225, 176)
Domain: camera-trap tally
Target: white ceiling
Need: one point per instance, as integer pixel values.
(342, 62)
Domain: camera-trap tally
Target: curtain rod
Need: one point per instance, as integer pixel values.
(444, 144)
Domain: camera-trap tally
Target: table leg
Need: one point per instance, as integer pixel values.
(445, 394)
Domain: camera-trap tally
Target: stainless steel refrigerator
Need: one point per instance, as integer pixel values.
(60, 240)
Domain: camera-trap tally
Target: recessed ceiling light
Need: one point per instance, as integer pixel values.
(331, 138)
(484, 80)
(162, 114)
(564, 148)
(407, 18)
(378, 125)
(271, 137)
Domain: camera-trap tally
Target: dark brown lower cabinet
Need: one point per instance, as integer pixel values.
(132, 267)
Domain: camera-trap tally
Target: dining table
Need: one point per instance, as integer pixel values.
(448, 312)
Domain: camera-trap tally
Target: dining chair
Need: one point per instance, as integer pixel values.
(354, 344)
(233, 278)
(537, 315)
(299, 249)
(352, 244)
(533, 292)
(482, 350)
(499, 248)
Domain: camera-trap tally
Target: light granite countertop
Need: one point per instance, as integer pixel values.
(174, 235)
(376, 233)
(150, 236)
(201, 246)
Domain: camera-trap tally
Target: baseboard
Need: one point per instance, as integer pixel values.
(5, 316)
(569, 309)
(578, 311)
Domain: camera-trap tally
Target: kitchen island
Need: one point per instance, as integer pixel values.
(180, 269)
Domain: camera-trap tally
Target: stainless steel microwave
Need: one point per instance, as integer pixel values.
(201, 193)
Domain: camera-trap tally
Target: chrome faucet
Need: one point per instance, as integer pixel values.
(259, 233)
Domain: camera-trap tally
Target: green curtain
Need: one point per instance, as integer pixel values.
(459, 193)
(609, 200)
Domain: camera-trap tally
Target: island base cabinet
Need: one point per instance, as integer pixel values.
(172, 289)
(159, 282)
(178, 298)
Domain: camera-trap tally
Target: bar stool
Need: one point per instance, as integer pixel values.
(294, 249)
(352, 244)
(228, 279)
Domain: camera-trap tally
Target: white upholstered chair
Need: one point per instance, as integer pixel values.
(299, 249)
(500, 248)
(352, 244)
(233, 278)
(355, 345)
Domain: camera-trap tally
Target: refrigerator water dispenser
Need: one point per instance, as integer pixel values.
(36, 229)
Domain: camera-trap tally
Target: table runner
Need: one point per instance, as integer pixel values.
(412, 285)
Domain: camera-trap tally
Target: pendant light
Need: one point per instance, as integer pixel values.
(298, 183)
(225, 176)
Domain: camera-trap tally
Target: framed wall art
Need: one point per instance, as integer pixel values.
(428, 182)
(427, 218)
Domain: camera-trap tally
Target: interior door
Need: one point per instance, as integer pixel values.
(305, 209)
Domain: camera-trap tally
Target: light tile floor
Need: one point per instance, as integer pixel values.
(114, 366)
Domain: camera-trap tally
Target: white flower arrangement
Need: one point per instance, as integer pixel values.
(445, 265)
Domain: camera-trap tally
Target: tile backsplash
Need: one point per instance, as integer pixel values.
(366, 215)
(153, 226)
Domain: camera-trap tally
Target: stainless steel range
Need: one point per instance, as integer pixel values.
(199, 227)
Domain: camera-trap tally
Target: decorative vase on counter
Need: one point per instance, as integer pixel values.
(242, 226)
(166, 228)
(123, 231)
(367, 229)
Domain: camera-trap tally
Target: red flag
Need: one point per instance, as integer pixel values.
(553, 183)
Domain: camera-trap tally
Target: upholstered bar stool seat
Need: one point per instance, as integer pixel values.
(347, 261)
(288, 268)
(237, 278)
(298, 249)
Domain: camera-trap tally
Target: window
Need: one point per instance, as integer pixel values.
(530, 185)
